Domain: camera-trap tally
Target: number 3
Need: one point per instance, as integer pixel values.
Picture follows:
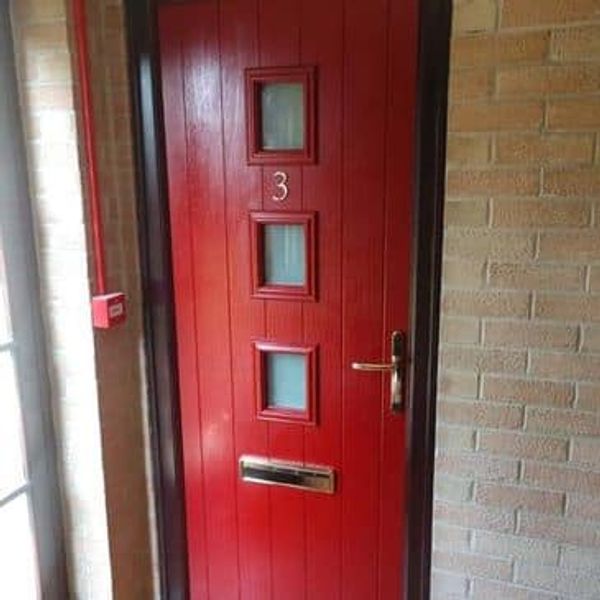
(281, 183)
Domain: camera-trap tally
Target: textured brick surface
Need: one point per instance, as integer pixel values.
(468, 149)
(563, 79)
(522, 445)
(486, 304)
(494, 590)
(476, 243)
(481, 414)
(517, 13)
(472, 83)
(549, 149)
(540, 213)
(519, 497)
(520, 345)
(475, 15)
(499, 49)
(575, 583)
(97, 386)
(498, 544)
(580, 247)
(496, 116)
(495, 182)
(536, 277)
(572, 182)
(460, 330)
(527, 391)
(559, 529)
(474, 565)
(574, 114)
(576, 43)
(459, 273)
(483, 360)
(586, 508)
(535, 335)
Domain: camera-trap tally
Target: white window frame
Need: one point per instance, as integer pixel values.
(27, 345)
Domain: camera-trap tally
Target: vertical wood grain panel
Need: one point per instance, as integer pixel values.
(239, 49)
(279, 39)
(364, 135)
(322, 45)
(171, 28)
(399, 169)
(207, 195)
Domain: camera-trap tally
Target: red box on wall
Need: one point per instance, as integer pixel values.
(108, 310)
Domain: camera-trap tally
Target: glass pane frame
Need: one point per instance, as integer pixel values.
(255, 80)
(23, 338)
(260, 287)
(264, 411)
(14, 473)
(19, 561)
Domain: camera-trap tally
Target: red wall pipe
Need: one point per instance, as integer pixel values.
(89, 138)
(107, 309)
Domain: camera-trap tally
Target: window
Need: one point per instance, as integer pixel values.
(286, 382)
(18, 572)
(31, 552)
(284, 264)
(280, 114)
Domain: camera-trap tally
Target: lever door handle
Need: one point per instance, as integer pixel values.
(358, 366)
(395, 368)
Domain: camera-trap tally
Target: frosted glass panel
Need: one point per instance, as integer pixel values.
(282, 113)
(284, 255)
(286, 380)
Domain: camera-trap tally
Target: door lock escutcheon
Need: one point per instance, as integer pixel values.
(395, 368)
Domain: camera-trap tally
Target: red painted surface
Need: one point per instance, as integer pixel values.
(109, 310)
(89, 138)
(260, 289)
(247, 540)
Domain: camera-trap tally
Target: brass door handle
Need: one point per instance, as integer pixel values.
(396, 368)
(358, 366)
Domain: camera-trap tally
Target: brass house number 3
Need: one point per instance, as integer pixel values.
(281, 183)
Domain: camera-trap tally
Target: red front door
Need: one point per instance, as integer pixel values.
(289, 134)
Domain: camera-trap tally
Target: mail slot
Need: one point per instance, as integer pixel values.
(272, 472)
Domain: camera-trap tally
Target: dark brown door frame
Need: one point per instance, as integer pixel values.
(154, 242)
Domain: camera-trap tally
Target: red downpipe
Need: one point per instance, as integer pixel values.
(108, 309)
(89, 138)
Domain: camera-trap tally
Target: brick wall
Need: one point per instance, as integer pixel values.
(119, 352)
(97, 384)
(517, 513)
(49, 119)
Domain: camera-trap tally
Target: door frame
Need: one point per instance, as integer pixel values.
(158, 296)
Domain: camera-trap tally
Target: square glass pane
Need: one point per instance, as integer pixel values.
(282, 116)
(18, 560)
(284, 255)
(12, 457)
(286, 380)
